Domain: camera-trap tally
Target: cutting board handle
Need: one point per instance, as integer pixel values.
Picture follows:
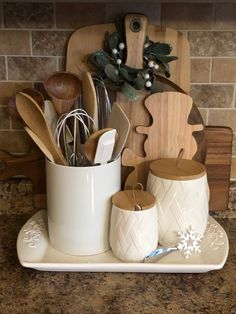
(135, 32)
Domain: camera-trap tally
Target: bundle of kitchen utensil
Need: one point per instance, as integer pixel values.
(74, 128)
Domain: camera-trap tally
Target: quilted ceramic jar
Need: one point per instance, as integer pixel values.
(134, 227)
(181, 191)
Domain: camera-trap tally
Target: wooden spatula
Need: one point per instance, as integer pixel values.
(90, 99)
(119, 121)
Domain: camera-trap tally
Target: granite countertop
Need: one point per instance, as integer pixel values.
(25, 290)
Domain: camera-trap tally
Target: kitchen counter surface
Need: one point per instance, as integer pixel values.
(25, 290)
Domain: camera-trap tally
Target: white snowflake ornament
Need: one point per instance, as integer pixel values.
(189, 242)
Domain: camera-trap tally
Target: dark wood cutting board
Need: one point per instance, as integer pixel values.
(218, 162)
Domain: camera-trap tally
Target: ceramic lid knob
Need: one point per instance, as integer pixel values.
(134, 200)
(173, 169)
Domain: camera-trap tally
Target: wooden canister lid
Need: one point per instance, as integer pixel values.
(128, 199)
(170, 169)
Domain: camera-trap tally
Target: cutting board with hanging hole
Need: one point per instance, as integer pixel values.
(136, 30)
(79, 49)
(89, 39)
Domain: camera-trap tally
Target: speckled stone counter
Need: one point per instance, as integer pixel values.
(26, 291)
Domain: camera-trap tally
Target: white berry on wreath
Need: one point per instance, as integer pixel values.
(156, 66)
(148, 84)
(147, 76)
(115, 51)
(151, 64)
(121, 46)
(118, 61)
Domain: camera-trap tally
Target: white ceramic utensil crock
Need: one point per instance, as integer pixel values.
(79, 204)
(133, 233)
(181, 190)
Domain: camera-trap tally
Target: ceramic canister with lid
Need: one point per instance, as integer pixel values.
(134, 227)
(181, 190)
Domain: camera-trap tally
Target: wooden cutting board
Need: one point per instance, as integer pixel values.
(218, 162)
(166, 136)
(89, 39)
(79, 47)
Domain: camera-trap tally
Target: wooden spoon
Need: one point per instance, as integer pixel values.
(40, 144)
(64, 88)
(33, 116)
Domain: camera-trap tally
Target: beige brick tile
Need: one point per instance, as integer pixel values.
(4, 119)
(151, 10)
(223, 117)
(75, 15)
(224, 70)
(225, 15)
(203, 113)
(9, 89)
(187, 15)
(28, 15)
(2, 68)
(16, 124)
(212, 96)
(212, 43)
(15, 142)
(50, 43)
(200, 70)
(61, 63)
(30, 68)
(14, 42)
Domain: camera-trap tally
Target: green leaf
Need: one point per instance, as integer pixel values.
(129, 91)
(124, 73)
(158, 48)
(165, 59)
(132, 70)
(113, 40)
(100, 59)
(139, 83)
(111, 73)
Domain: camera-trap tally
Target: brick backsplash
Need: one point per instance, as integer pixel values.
(34, 38)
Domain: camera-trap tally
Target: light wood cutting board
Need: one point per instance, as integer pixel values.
(79, 48)
(89, 39)
(166, 136)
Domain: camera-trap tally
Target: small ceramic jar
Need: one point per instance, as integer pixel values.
(133, 227)
(181, 190)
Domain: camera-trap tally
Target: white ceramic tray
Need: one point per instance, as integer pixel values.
(35, 251)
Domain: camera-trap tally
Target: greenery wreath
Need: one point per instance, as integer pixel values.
(108, 63)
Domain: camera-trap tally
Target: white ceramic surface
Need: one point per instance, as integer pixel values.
(133, 234)
(35, 251)
(78, 206)
(180, 204)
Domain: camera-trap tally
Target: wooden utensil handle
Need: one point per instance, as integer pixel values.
(135, 32)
